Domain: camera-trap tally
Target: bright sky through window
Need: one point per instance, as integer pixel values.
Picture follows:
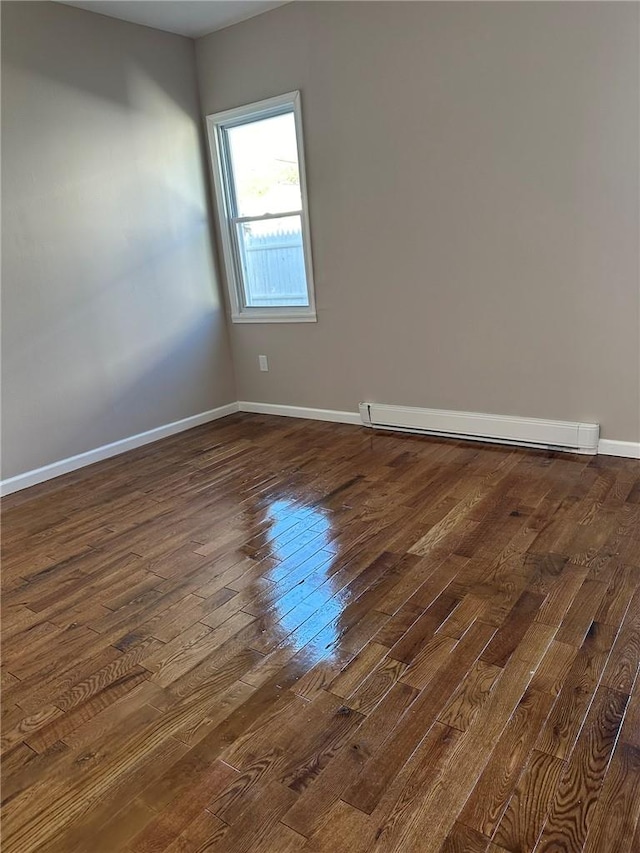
(264, 161)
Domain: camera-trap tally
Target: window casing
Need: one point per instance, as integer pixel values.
(261, 195)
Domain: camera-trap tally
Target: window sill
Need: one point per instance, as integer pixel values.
(274, 318)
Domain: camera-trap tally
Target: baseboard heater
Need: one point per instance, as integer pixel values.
(501, 429)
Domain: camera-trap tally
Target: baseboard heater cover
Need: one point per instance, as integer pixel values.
(504, 429)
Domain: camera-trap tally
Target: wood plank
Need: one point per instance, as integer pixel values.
(376, 686)
(317, 800)
(406, 649)
(618, 809)
(277, 634)
(527, 811)
(513, 629)
(443, 802)
(565, 721)
(582, 613)
(365, 793)
(488, 801)
(577, 793)
(462, 839)
(177, 816)
(354, 673)
(472, 693)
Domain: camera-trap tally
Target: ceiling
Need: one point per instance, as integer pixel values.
(186, 17)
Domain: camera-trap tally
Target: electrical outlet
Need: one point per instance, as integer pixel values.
(264, 364)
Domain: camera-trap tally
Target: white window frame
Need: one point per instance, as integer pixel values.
(217, 124)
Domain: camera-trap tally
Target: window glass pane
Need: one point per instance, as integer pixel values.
(264, 165)
(272, 261)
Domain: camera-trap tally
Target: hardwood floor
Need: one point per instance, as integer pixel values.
(279, 635)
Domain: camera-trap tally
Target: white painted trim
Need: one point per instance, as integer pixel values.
(216, 125)
(607, 447)
(64, 466)
(300, 412)
(277, 318)
(530, 432)
(629, 449)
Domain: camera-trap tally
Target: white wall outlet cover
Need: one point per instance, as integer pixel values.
(262, 361)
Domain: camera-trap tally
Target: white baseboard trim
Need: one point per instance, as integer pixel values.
(65, 466)
(568, 436)
(301, 412)
(606, 447)
(629, 449)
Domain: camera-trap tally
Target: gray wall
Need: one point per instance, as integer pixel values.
(111, 314)
(473, 180)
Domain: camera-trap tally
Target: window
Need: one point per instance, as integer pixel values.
(258, 167)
